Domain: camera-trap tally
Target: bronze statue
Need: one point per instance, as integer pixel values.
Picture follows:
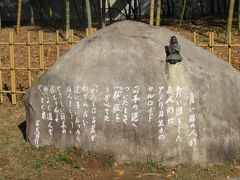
(173, 51)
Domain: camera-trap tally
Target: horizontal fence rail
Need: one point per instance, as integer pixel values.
(211, 44)
(11, 44)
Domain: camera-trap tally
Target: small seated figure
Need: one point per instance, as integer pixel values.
(173, 51)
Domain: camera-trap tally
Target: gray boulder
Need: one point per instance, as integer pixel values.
(113, 92)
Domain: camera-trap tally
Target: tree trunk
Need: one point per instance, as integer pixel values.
(103, 12)
(32, 21)
(140, 9)
(84, 12)
(125, 10)
(76, 9)
(89, 15)
(224, 7)
(201, 6)
(95, 8)
(183, 12)
(67, 16)
(135, 8)
(212, 4)
(129, 9)
(238, 17)
(50, 13)
(168, 9)
(151, 11)
(99, 13)
(173, 8)
(0, 17)
(109, 10)
(158, 13)
(19, 14)
(219, 7)
(42, 11)
(190, 9)
(230, 18)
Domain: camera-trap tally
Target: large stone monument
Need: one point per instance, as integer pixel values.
(114, 92)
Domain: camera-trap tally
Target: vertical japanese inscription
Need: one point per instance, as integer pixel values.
(74, 109)
(192, 120)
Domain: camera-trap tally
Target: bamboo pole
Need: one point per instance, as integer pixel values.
(210, 41)
(57, 44)
(19, 15)
(72, 37)
(195, 37)
(230, 17)
(37, 43)
(67, 17)
(32, 13)
(12, 68)
(183, 13)
(151, 11)
(17, 92)
(87, 32)
(23, 68)
(1, 86)
(238, 17)
(229, 48)
(91, 30)
(29, 62)
(41, 53)
(212, 37)
(103, 13)
(50, 12)
(158, 13)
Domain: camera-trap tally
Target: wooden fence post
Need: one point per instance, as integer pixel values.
(29, 62)
(212, 41)
(71, 37)
(91, 30)
(229, 48)
(87, 32)
(41, 53)
(195, 37)
(12, 68)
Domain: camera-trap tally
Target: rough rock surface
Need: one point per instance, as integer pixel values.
(113, 92)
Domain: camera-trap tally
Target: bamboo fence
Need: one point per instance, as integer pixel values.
(211, 44)
(13, 92)
(11, 44)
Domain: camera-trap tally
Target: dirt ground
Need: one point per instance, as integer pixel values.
(19, 160)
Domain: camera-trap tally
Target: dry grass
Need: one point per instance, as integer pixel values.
(20, 160)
